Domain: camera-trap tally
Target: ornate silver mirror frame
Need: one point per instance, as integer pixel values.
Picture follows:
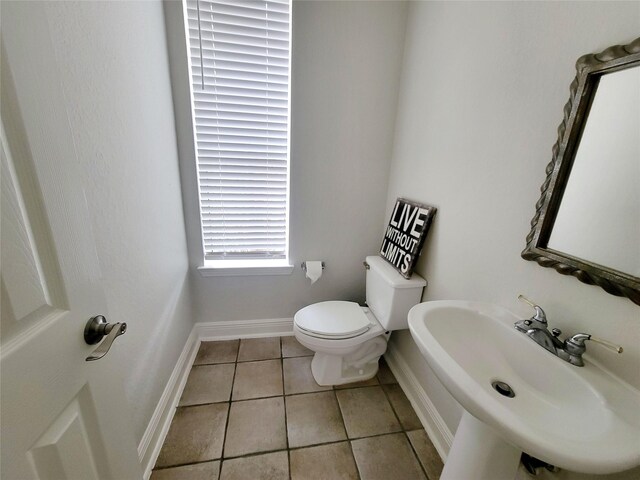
(582, 91)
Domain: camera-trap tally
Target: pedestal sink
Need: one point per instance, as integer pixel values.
(578, 418)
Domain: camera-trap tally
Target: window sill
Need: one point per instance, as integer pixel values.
(239, 268)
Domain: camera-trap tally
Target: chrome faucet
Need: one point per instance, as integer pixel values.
(570, 350)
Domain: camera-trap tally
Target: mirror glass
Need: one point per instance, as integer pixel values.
(599, 216)
(587, 219)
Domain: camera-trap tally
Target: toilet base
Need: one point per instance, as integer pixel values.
(355, 367)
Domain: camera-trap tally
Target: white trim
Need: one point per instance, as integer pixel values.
(231, 268)
(154, 435)
(429, 416)
(228, 330)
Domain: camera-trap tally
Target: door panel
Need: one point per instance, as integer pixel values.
(70, 448)
(62, 417)
(30, 296)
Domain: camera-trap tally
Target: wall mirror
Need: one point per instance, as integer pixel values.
(587, 220)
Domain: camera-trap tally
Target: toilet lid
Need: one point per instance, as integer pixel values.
(333, 319)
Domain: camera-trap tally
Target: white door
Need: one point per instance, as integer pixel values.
(61, 416)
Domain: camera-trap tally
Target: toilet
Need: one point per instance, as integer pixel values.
(348, 339)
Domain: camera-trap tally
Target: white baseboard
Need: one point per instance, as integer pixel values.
(153, 438)
(154, 435)
(228, 330)
(432, 421)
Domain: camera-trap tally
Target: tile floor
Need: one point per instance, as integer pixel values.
(251, 411)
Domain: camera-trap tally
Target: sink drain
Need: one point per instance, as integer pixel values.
(503, 389)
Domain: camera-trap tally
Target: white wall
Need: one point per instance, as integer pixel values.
(482, 91)
(346, 66)
(112, 63)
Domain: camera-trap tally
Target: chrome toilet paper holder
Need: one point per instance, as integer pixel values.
(303, 265)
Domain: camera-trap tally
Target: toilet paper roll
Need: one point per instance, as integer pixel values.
(314, 270)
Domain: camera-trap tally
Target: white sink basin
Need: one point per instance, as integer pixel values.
(579, 418)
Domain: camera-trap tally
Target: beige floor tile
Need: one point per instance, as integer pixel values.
(427, 453)
(256, 426)
(313, 418)
(385, 375)
(259, 349)
(291, 347)
(198, 471)
(271, 466)
(208, 384)
(402, 407)
(257, 379)
(366, 411)
(298, 377)
(386, 457)
(324, 462)
(196, 435)
(217, 352)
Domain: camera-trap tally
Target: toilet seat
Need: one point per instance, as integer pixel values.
(333, 320)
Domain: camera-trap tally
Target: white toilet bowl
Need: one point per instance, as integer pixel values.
(346, 338)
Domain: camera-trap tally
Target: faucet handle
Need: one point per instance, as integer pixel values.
(579, 339)
(539, 315)
(607, 344)
(524, 299)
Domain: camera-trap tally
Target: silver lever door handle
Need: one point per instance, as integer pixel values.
(96, 329)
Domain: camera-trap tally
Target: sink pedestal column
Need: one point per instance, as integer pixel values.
(479, 453)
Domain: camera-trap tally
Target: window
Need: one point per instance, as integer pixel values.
(239, 56)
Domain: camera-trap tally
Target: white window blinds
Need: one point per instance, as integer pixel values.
(239, 54)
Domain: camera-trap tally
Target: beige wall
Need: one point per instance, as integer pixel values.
(482, 91)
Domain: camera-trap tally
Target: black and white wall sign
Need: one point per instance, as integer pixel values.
(405, 235)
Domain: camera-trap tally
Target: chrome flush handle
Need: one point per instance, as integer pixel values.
(96, 329)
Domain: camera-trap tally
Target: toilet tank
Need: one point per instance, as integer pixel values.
(390, 295)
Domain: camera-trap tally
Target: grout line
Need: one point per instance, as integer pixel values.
(212, 364)
(284, 404)
(346, 434)
(255, 454)
(393, 409)
(305, 393)
(415, 453)
(226, 425)
(238, 350)
(259, 360)
(362, 438)
(404, 431)
(344, 426)
(177, 465)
